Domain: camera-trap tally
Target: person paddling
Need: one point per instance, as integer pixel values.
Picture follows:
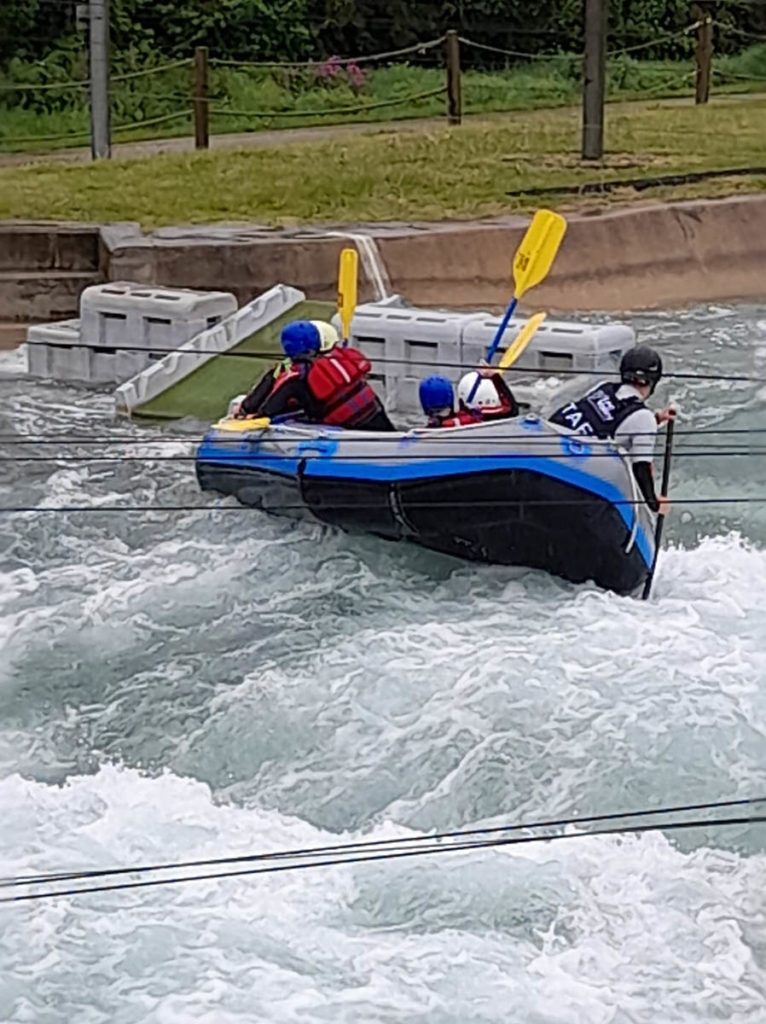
(618, 411)
(437, 399)
(491, 400)
(321, 383)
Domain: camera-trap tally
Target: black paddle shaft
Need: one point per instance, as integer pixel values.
(661, 519)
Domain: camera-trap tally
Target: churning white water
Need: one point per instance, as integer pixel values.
(191, 684)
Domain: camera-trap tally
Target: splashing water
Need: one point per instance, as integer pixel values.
(203, 683)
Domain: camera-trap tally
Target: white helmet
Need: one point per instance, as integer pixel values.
(486, 396)
(328, 336)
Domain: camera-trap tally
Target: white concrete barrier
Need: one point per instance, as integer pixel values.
(556, 345)
(129, 316)
(163, 374)
(406, 344)
(122, 328)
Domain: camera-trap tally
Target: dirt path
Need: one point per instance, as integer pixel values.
(320, 133)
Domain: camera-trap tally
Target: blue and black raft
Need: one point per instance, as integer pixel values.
(514, 492)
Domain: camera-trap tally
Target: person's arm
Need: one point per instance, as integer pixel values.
(251, 403)
(642, 471)
(505, 393)
(292, 397)
(637, 433)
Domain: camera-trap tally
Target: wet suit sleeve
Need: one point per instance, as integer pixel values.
(251, 403)
(642, 471)
(292, 398)
(505, 393)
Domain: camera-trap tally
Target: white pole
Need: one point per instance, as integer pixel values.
(100, 127)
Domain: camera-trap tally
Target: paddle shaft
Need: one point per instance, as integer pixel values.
(661, 519)
(495, 345)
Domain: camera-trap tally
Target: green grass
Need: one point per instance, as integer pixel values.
(431, 174)
(206, 392)
(548, 83)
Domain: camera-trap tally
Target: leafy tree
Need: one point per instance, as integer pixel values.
(147, 31)
(240, 29)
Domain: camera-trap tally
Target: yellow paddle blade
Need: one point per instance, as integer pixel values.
(537, 250)
(348, 276)
(526, 334)
(240, 426)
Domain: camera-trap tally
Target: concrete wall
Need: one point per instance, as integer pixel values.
(44, 267)
(637, 257)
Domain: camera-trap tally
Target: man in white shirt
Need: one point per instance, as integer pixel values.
(618, 411)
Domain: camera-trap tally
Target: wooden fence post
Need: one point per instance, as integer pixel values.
(704, 55)
(454, 90)
(201, 126)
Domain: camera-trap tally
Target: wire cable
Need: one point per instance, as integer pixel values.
(396, 854)
(434, 435)
(342, 848)
(271, 355)
(714, 452)
(363, 506)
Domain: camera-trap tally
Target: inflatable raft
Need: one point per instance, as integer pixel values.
(515, 492)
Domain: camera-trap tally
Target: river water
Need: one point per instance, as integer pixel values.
(193, 684)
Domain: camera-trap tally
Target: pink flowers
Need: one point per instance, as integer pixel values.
(334, 71)
(355, 75)
(331, 68)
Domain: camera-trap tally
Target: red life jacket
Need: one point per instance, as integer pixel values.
(337, 382)
(504, 412)
(459, 419)
(462, 418)
(284, 372)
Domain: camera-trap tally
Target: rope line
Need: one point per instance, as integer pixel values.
(162, 119)
(340, 61)
(45, 138)
(653, 42)
(373, 844)
(82, 83)
(425, 849)
(551, 55)
(130, 75)
(519, 53)
(412, 98)
(739, 77)
(44, 86)
(739, 32)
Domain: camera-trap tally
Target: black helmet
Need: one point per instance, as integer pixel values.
(641, 365)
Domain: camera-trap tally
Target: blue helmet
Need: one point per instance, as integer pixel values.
(300, 338)
(436, 393)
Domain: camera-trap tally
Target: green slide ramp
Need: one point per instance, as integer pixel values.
(205, 394)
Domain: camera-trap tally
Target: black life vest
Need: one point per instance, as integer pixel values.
(337, 383)
(599, 413)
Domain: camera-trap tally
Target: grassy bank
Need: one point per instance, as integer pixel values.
(254, 99)
(428, 175)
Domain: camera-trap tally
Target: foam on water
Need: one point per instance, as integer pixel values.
(596, 929)
(199, 683)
